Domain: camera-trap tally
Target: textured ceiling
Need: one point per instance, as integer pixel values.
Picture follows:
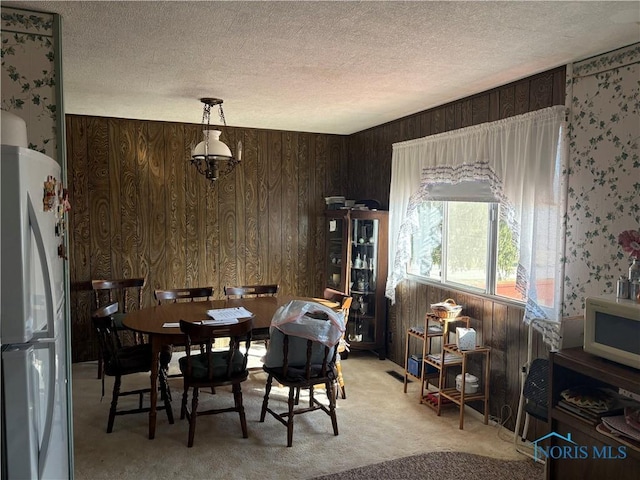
(327, 67)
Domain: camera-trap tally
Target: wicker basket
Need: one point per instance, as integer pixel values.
(452, 311)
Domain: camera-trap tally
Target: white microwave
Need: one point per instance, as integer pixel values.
(612, 329)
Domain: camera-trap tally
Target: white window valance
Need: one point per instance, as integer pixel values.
(518, 161)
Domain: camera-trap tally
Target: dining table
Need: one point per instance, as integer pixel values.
(160, 324)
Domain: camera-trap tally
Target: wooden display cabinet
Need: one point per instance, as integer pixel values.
(357, 265)
(574, 367)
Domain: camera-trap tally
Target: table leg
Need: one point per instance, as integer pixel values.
(156, 346)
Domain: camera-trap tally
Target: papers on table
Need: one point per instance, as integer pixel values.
(219, 316)
(228, 321)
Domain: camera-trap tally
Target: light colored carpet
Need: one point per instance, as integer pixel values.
(377, 422)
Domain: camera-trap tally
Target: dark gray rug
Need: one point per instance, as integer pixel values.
(444, 466)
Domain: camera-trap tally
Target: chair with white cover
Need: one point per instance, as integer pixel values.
(302, 354)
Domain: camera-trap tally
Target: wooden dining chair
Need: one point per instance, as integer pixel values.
(178, 294)
(305, 363)
(127, 293)
(246, 291)
(119, 360)
(174, 295)
(345, 304)
(213, 369)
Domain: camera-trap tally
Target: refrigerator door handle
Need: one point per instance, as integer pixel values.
(46, 273)
(46, 431)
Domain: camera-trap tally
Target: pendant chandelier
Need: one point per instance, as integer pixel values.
(211, 157)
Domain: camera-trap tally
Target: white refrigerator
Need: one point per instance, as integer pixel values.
(34, 331)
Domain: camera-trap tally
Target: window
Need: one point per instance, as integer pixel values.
(465, 244)
(512, 169)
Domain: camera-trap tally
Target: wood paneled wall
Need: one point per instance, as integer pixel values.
(139, 209)
(369, 170)
(369, 175)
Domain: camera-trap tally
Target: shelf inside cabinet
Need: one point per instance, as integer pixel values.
(577, 423)
(362, 292)
(598, 368)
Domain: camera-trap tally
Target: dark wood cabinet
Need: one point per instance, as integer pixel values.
(357, 265)
(595, 455)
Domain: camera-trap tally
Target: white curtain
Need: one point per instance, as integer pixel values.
(520, 162)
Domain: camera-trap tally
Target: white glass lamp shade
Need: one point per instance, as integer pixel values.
(216, 147)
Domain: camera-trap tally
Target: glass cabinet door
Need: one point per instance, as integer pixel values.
(356, 264)
(362, 287)
(337, 253)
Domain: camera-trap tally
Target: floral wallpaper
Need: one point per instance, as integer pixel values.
(29, 75)
(604, 172)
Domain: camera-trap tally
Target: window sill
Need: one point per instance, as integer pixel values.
(468, 291)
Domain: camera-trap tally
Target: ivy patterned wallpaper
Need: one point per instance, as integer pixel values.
(604, 175)
(29, 76)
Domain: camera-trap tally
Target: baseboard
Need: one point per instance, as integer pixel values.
(469, 410)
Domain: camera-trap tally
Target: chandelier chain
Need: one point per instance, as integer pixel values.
(224, 122)
(206, 114)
